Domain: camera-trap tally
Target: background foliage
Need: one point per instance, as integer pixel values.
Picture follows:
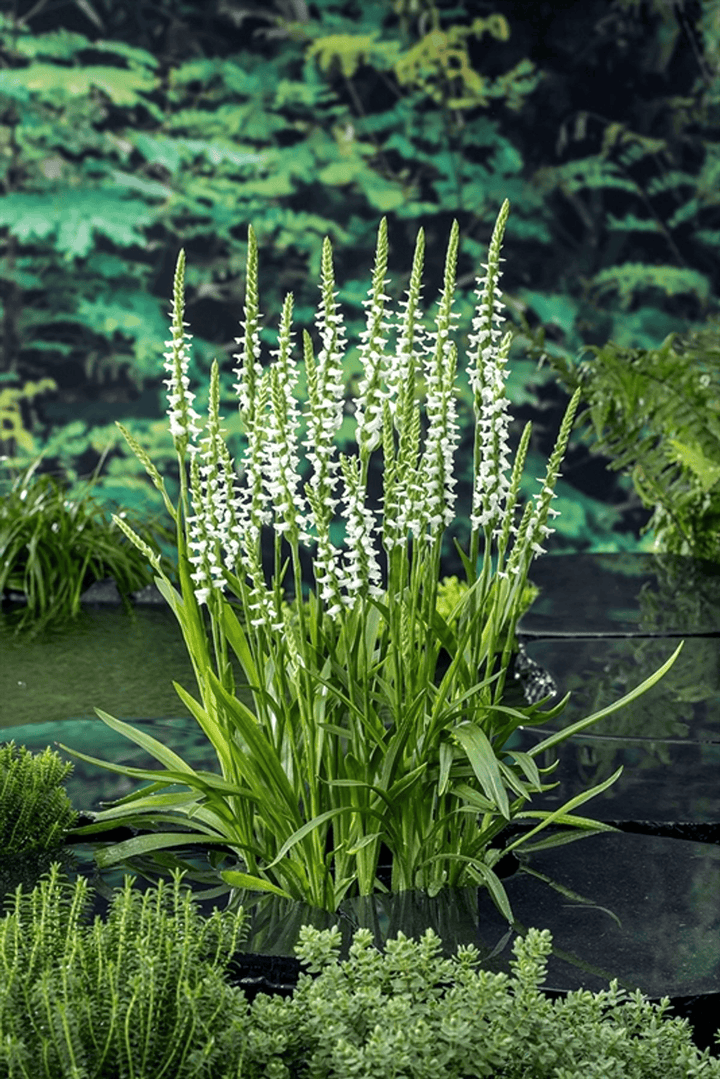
(128, 131)
(655, 411)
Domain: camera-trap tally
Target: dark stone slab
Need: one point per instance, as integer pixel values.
(148, 596)
(666, 782)
(643, 909)
(639, 908)
(623, 594)
(667, 740)
(102, 593)
(683, 706)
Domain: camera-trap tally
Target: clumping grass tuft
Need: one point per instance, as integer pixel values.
(53, 547)
(356, 740)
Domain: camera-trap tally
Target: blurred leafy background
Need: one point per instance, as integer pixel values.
(130, 129)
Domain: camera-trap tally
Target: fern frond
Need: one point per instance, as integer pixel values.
(591, 173)
(686, 212)
(631, 223)
(634, 146)
(656, 414)
(348, 52)
(711, 237)
(631, 278)
(670, 181)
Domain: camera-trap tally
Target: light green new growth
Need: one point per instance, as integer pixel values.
(410, 1012)
(452, 591)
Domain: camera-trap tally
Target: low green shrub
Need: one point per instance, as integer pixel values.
(35, 811)
(145, 995)
(408, 1013)
(451, 590)
(53, 547)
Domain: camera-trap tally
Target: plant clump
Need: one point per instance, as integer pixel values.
(355, 738)
(35, 811)
(655, 413)
(409, 1014)
(53, 547)
(141, 995)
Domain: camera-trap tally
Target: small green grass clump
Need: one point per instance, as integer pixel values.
(53, 547)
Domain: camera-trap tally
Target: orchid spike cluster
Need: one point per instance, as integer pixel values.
(486, 371)
(397, 350)
(333, 734)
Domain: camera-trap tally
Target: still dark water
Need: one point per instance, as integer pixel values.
(124, 664)
(106, 658)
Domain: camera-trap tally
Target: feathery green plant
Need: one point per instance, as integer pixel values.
(53, 547)
(35, 812)
(138, 996)
(656, 413)
(350, 745)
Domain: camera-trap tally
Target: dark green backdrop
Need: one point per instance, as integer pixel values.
(129, 130)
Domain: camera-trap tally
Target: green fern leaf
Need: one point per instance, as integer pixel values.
(72, 219)
(631, 223)
(631, 278)
(670, 181)
(351, 51)
(51, 82)
(585, 173)
(685, 213)
(707, 472)
(711, 237)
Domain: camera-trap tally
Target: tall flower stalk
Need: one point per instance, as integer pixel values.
(340, 741)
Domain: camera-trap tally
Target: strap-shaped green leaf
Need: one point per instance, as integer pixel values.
(484, 764)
